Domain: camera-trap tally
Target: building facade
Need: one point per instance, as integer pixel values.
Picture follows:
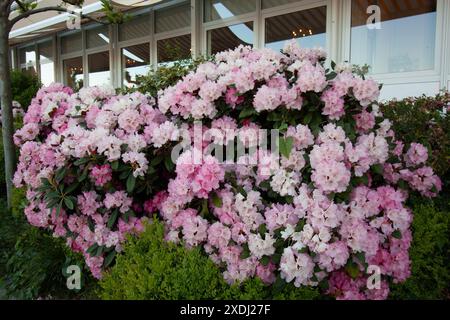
(408, 51)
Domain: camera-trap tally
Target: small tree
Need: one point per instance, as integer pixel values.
(26, 8)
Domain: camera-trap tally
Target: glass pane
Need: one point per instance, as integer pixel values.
(230, 37)
(71, 43)
(46, 62)
(308, 27)
(97, 37)
(173, 18)
(405, 42)
(273, 3)
(222, 9)
(137, 27)
(173, 49)
(73, 72)
(27, 55)
(98, 67)
(135, 62)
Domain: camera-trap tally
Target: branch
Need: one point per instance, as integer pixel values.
(26, 14)
(21, 5)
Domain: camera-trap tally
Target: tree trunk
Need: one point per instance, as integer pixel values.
(6, 104)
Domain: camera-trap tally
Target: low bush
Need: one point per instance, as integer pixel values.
(151, 268)
(425, 120)
(164, 76)
(430, 257)
(32, 261)
(24, 87)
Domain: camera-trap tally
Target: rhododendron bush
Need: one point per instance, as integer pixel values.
(321, 204)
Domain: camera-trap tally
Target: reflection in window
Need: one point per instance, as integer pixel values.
(174, 49)
(173, 18)
(230, 37)
(137, 27)
(222, 9)
(46, 63)
(273, 3)
(71, 43)
(73, 72)
(405, 42)
(135, 62)
(27, 59)
(97, 37)
(98, 68)
(308, 27)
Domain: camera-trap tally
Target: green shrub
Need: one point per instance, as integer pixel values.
(430, 256)
(164, 76)
(32, 261)
(151, 268)
(24, 87)
(423, 119)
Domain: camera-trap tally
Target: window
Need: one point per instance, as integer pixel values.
(405, 42)
(230, 37)
(73, 72)
(137, 27)
(97, 37)
(173, 18)
(308, 27)
(46, 62)
(173, 49)
(135, 62)
(71, 43)
(98, 68)
(222, 9)
(27, 59)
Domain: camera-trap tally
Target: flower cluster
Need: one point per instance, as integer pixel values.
(330, 205)
(80, 155)
(325, 208)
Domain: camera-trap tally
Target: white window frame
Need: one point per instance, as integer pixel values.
(37, 60)
(71, 55)
(296, 7)
(148, 39)
(433, 75)
(222, 23)
(103, 48)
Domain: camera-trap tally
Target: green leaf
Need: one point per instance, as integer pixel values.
(71, 188)
(352, 269)
(60, 174)
(109, 258)
(247, 112)
(112, 219)
(92, 249)
(265, 260)
(307, 119)
(81, 161)
(217, 201)
(58, 209)
(286, 146)
(115, 165)
(262, 229)
(131, 183)
(378, 169)
(245, 252)
(68, 202)
(169, 164)
(99, 251)
(204, 210)
(397, 234)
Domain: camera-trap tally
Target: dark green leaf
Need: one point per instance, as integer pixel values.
(131, 183)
